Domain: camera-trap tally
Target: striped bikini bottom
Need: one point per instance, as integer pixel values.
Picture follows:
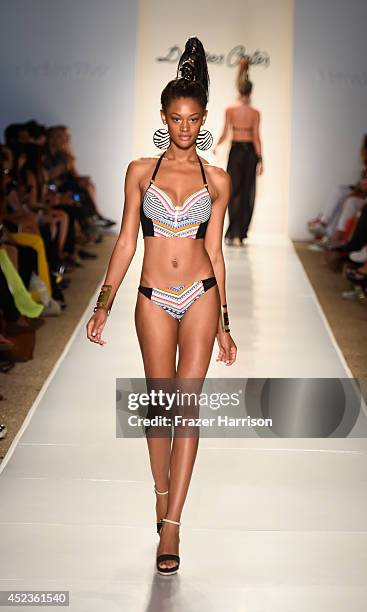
(177, 300)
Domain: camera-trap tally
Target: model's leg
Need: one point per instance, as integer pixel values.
(196, 336)
(157, 335)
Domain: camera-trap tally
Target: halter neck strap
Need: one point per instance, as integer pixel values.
(203, 173)
(159, 163)
(156, 168)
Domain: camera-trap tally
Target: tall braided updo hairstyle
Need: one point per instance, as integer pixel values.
(244, 85)
(192, 79)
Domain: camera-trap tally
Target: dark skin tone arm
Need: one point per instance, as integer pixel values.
(123, 251)
(213, 246)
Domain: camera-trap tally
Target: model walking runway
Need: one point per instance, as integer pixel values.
(245, 160)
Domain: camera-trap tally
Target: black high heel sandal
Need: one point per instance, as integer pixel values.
(168, 571)
(159, 523)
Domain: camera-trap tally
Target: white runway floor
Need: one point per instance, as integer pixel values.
(275, 525)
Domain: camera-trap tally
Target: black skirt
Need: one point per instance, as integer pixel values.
(242, 162)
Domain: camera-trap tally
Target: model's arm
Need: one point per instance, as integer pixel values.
(256, 133)
(257, 143)
(214, 234)
(123, 251)
(223, 136)
(213, 244)
(125, 246)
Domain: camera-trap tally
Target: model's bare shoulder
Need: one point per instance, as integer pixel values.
(139, 167)
(216, 173)
(142, 163)
(218, 177)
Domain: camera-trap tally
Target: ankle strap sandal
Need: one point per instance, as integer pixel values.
(167, 571)
(159, 523)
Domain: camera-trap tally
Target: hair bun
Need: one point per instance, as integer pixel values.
(192, 65)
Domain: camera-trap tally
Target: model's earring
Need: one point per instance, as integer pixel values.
(204, 140)
(161, 139)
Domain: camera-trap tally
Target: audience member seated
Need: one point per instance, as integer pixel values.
(335, 224)
(340, 231)
(48, 214)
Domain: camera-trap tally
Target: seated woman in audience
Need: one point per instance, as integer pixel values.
(20, 221)
(33, 190)
(343, 206)
(59, 165)
(84, 181)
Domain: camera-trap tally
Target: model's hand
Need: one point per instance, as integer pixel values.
(95, 326)
(227, 348)
(259, 168)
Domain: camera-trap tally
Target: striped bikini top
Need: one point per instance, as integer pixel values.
(161, 218)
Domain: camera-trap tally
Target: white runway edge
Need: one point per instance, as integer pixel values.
(269, 524)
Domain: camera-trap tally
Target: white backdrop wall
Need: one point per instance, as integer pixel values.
(221, 26)
(73, 62)
(329, 103)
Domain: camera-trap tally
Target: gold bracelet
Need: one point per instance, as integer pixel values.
(103, 299)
